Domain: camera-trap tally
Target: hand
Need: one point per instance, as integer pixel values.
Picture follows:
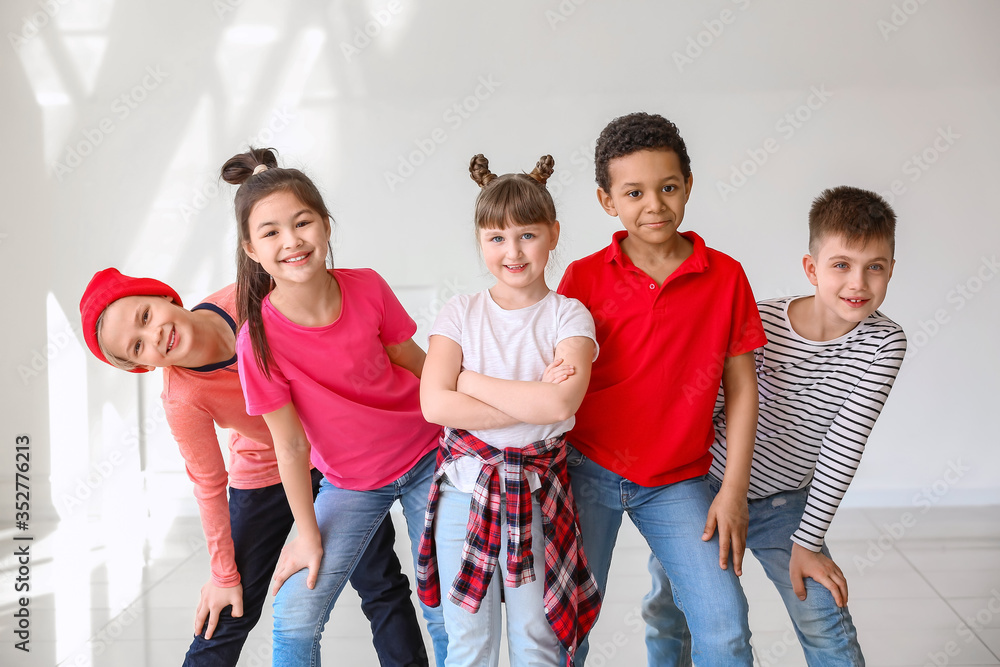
(730, 515)
(819, 568)
(213, 600)
(299, 554)
(557, 372)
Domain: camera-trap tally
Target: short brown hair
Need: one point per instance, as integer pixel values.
(519, 199)
(859, 216)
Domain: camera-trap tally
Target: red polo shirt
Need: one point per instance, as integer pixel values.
(647, 415)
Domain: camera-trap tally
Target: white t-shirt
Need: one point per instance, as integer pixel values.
(510, 345)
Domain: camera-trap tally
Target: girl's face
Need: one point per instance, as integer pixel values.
(287, 238)
(517, 255)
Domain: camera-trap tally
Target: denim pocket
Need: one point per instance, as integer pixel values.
(573, 457)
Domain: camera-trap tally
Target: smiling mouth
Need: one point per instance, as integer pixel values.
(297, 259)
(173, 339)
(855, 303)
(514, 267)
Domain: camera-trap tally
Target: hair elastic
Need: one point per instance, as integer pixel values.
(259, 168)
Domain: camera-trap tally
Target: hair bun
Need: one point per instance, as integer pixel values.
(239, 168)
(479, 170)
(543, 169)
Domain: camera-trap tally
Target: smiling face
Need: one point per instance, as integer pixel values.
(517, 255)
(851, 281)
(287, 238)
(150, 331)
(648, 194)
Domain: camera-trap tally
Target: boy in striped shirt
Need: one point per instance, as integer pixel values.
(823, 377)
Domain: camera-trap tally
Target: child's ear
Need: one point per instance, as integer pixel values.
(809, 266)
(607, 203)
(248, 249)
(892, 265)
(687, 187)
(555, 235)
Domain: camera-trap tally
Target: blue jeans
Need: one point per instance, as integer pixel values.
(347, 522)
(474, 639)
(826, 631)
(260, 520)
(672, 519)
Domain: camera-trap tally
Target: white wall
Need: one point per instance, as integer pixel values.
(118, 115)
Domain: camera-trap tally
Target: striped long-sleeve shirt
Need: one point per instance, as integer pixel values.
(818, 404)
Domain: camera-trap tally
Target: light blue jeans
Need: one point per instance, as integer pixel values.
(826, 631)
(474, 639)
(347, 520)
(672, 519)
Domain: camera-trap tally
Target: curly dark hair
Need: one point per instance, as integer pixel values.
(637, 132)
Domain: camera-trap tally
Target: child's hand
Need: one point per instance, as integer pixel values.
(819, 568)
(213, 600)
(297, 555)
(557, 372)
(730, 515)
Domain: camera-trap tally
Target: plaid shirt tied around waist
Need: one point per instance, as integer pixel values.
(571, 597)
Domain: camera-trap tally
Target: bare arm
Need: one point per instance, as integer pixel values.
(729, 509)
(538, 402)
(292, 449)
(441, 403)
(407, 355)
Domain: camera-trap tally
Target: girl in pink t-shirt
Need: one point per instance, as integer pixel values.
(327, 357)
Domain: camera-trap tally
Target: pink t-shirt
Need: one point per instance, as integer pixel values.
(194, 402)
(360, 412)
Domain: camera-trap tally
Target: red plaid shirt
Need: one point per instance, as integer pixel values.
(571, 597)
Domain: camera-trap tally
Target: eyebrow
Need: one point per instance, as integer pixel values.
(274, 222)
(873, 259)
(673, 177)
(138, 322)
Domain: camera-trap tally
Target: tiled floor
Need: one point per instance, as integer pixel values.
(925, 590)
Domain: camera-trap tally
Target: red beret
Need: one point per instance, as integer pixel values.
(105, 288)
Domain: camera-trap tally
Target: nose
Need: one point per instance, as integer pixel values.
(657, 202)
(858, 279)
(291, 238)
(513, 249)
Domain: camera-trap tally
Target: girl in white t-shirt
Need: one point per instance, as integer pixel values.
(506, 370)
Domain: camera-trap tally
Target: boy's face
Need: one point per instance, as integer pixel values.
(850, 281)
(151, 331)
(648, 194)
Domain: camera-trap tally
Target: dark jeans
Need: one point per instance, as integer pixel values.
(261, 520)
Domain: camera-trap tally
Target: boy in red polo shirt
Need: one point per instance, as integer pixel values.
(674, 319)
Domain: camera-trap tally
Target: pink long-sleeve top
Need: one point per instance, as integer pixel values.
(195, 400)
